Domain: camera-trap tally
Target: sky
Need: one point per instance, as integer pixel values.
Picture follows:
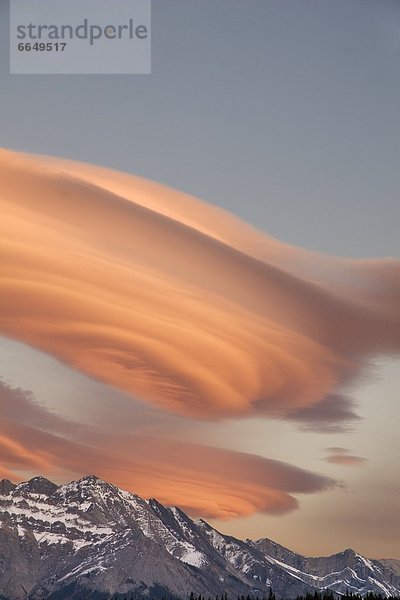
(286, 115)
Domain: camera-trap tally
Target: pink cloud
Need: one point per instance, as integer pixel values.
(180, 304)
(206, 481)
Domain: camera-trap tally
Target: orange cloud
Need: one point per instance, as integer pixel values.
(7, 474)
(179, 303)
(15, 452)
(342, 456)
(210, 482)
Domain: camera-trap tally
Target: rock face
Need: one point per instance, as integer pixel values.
(89, 538)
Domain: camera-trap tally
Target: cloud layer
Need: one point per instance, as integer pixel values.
(179, 303)
(206, 481)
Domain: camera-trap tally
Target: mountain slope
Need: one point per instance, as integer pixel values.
(90, 538)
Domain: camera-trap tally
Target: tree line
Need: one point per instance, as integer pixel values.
(325, 595)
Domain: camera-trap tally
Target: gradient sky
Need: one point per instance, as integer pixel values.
(286, 114)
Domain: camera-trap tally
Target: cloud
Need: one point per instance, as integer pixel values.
(180, 304)
(332, 414)
(6, 473)
(342, 456)
(205, 481)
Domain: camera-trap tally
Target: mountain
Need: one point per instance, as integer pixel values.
(89, 538)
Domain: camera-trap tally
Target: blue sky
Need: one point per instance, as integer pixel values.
(284, 112)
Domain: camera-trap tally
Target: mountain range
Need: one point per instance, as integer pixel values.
(89, 538)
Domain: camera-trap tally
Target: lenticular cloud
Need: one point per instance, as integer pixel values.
(177, 302)
(206, 481)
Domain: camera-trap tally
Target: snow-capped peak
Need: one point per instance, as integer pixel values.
(91, 533)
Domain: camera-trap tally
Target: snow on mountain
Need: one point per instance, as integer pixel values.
(89, 536)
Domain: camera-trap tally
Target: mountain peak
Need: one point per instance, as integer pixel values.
(87, 487)
(36, 485)
(348, 552)
(6, 487)
(89, 526)
(90, 479)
